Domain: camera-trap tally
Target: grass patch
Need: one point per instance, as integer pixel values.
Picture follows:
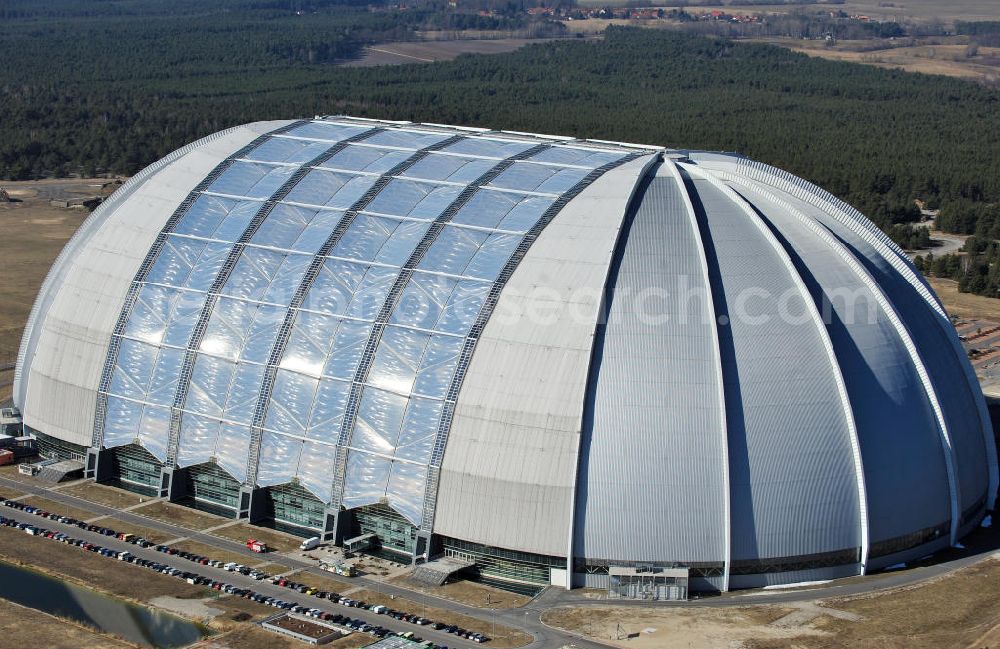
(503, 638)
(210, 552)
(186, 517)
(59, 508)
(104, 495)
(277, 541)
(8, 492)
(469, 593)
(92, 570)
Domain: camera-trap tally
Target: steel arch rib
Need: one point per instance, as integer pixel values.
(444, 428)
(146, 266)
(648, 168)
(814, 314)
(717, 358)
(389, 305)
(285, 329)
(827, 237)
(225, 272)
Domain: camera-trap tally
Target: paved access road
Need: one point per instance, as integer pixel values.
(526, 618)
(544, 637)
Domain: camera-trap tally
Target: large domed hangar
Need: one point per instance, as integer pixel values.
(566, 361)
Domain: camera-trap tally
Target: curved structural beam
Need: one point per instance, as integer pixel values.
(901, 330)
(391, 300)
(29, 338)
(717, 359)
(198, 333)
(494, 405)
(285, 330)
(834, 364)
(147, 265)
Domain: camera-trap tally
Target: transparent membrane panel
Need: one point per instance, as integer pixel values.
(133, 369)
(316, 467)
(232, 449)
(405, 491)
(452, 168)
(209, 388)
(279, 459)
(346, 288)
(154, 430)
(242, 398)
(300, 229)
(468, 252)
(525, 176)
(121, 425)
(440, 303)
(200, 436)
(215, 217)
(584, 157)
(287, 150)
(402, 139)
(251, 179)
(327, 131)
(489, 148)
(366, 480)
(188, 263)
(366, 159)
(266, 275)
(379, 418)
(334, 189)
(164, 315)
(416, 200)
(417, 431)
(324, 345)
(291, 402)
(328, 410)
(503, 210)
(163, 382)
(409, 361)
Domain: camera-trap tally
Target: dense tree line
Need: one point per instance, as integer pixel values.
(977, 271)
(113, 94)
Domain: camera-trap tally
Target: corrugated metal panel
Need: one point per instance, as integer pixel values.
(958, 401)
(510, 465)
(880, 250)
(905, 475)
(792, 474)
(652, 479)
(84, 300)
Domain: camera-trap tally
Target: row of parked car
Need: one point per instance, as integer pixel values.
(196, 579)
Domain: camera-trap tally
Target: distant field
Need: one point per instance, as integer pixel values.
(876, 9)
(431, 51)
(945, 56)
(31, 235)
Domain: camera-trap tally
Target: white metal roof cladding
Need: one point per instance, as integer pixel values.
(413, 314)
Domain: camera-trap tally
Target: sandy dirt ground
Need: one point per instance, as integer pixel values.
(31, 235)
(965, 305)
(957, 611)
(101, 494)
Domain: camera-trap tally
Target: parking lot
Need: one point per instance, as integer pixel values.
(238, 581)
